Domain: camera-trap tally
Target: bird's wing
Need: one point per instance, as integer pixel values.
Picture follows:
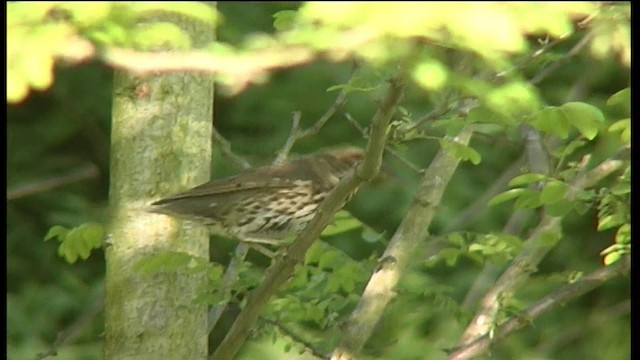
(239, 183)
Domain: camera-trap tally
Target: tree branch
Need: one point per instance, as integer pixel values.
(279, 273)
(84, 173)
(554, 300)
(296, 134)
(229, 278)
(67, 336)
(471, 212)
(412, 231)
(225, 147)
(533, 251)
(575, 50)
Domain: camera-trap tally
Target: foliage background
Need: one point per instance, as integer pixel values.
(64, 131)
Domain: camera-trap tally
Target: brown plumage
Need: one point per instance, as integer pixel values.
(264, 204)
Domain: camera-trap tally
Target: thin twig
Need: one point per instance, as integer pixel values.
(280, 272)
(225, 147)
(229, 278)
(439, 111)
(577, 331)
(571, 53)
(471, 212)
(556, 299)
(294, 135)
(297, 134)
(387, 150)
(86, 172)
(67, 336)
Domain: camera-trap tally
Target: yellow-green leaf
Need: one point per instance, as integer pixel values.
(584, 117)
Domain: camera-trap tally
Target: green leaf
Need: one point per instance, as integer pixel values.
(456, 238)
(169, 261)
(77, 242)
(560, 208)
(56, 231)
(371, 236)
(623, 125)
(569, 149)
(314, 253)
(526, 179)
(284, 20)
(194, 9)
(461, 151)
(329, 259)
(552, 120)
(450, 255)
(548, 238)
(612, 258)
(623, 235)
(506, 196)
(584, 117)
(480, 114)
(621, 97)
(343, 221)
(529, 199)
(158, 35)
(553, 192)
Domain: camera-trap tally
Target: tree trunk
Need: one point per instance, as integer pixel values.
(160, 144)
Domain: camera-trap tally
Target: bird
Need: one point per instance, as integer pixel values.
(266, 204)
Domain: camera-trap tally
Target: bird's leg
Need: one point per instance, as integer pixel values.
(255, 244)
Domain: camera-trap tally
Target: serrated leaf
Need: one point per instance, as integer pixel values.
(506, 196)
(526, 179)
(621, 97)
(553, 192)
(584, 117)
(56, 231)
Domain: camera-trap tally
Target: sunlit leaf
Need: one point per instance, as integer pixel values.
(526, 179)
(553, 192)
(621, 97)
(584, 117)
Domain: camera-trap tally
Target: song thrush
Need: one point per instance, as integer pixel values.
(265, 204)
